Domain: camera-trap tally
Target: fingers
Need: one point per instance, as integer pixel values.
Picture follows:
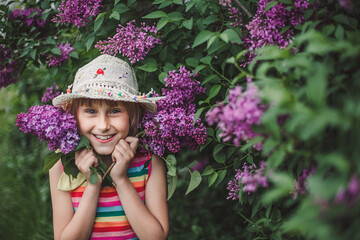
(133, 141)
(122, 152)
(84, 159)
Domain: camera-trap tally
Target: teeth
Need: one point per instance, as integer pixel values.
(103, 137)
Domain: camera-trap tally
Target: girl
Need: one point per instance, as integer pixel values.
(105, 102)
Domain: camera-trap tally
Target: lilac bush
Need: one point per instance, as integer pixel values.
(247, 180)
(236, 117)
(172, 126)
(300, 184)
(54, 60)
(130, 41)
(23, 15)
(8, 69)
(50, 93)
(51, 124)
(77, 12)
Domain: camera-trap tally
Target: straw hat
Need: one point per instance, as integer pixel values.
(106, 77)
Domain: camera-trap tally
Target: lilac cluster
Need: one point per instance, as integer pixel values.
(77, 12)
(50, 124)
(130, 41)
(23, 15)
(300, 184)
(236, 117)
(236, 15)
(247, 180)
(351, 194)
(266, 27)
(8, 69)
(66, 49)
(172, 126)
(50, 93)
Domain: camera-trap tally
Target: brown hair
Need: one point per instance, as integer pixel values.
(135, 110)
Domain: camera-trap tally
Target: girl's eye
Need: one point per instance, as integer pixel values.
(116, 110)
(90, 111)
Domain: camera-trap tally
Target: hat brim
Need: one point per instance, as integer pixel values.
(148, 103)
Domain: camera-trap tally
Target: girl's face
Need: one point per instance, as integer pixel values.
(103, 125)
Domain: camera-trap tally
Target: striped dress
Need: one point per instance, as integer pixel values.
(110, 221)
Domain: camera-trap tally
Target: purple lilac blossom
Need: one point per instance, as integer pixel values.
(50, 124)
(347, 4)
(66, 49)
(300, 184)
(247, 180)
(171, 127)
(236, 117)
(266, 27)
(8, 69)
(236, 15)
(225, 3)
(77, 12)
(50, 93)
(351, 194)
(23, 15)
(130, 41)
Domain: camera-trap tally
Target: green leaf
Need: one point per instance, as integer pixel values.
(212, 178)
(149, 67)
(208, 170)
(156, 14)
(198, 114)
(199, 68)
(178, 2)
(50, 160)
(229, 35)
(115, 15)
(172, 183)
(214, 90)
(116, 2)
(94, 176)
(206, 60)
(188, 23)
(130, 2)
(202, 37)
(195, 180)
(189, 5)
(218, 154)
(162, 23)
(121, 8)
(50, 41)
(221, 176)
(84, 142)
(56, 51)
(276, 158)
(99, 21)
(33, 53)
(270, 5)
(74, 54)
(89, 41)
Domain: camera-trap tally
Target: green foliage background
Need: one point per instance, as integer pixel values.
(315, 81)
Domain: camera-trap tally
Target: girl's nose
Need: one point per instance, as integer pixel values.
(103, 123)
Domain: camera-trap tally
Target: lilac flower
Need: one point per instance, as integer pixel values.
(300, 184)
(225, 3)
(236, 15)
(171, 127)
(23, 15)
(266, 27)
(50, 93)
(66, 49)
(347, 4)
(351, 194)
(8, 68)
(50, 124)
(247, 180)
(130, 41)
(236, 117)
(77, 12)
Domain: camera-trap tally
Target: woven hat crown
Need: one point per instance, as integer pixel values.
(106, 77)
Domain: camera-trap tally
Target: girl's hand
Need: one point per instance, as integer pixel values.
(124, 151)
(84, 159)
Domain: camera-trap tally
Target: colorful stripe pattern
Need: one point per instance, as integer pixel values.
(111, 222)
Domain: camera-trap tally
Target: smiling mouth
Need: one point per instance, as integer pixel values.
(103, 137)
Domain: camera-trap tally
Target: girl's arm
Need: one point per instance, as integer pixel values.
(67, 224)
(149, 221)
